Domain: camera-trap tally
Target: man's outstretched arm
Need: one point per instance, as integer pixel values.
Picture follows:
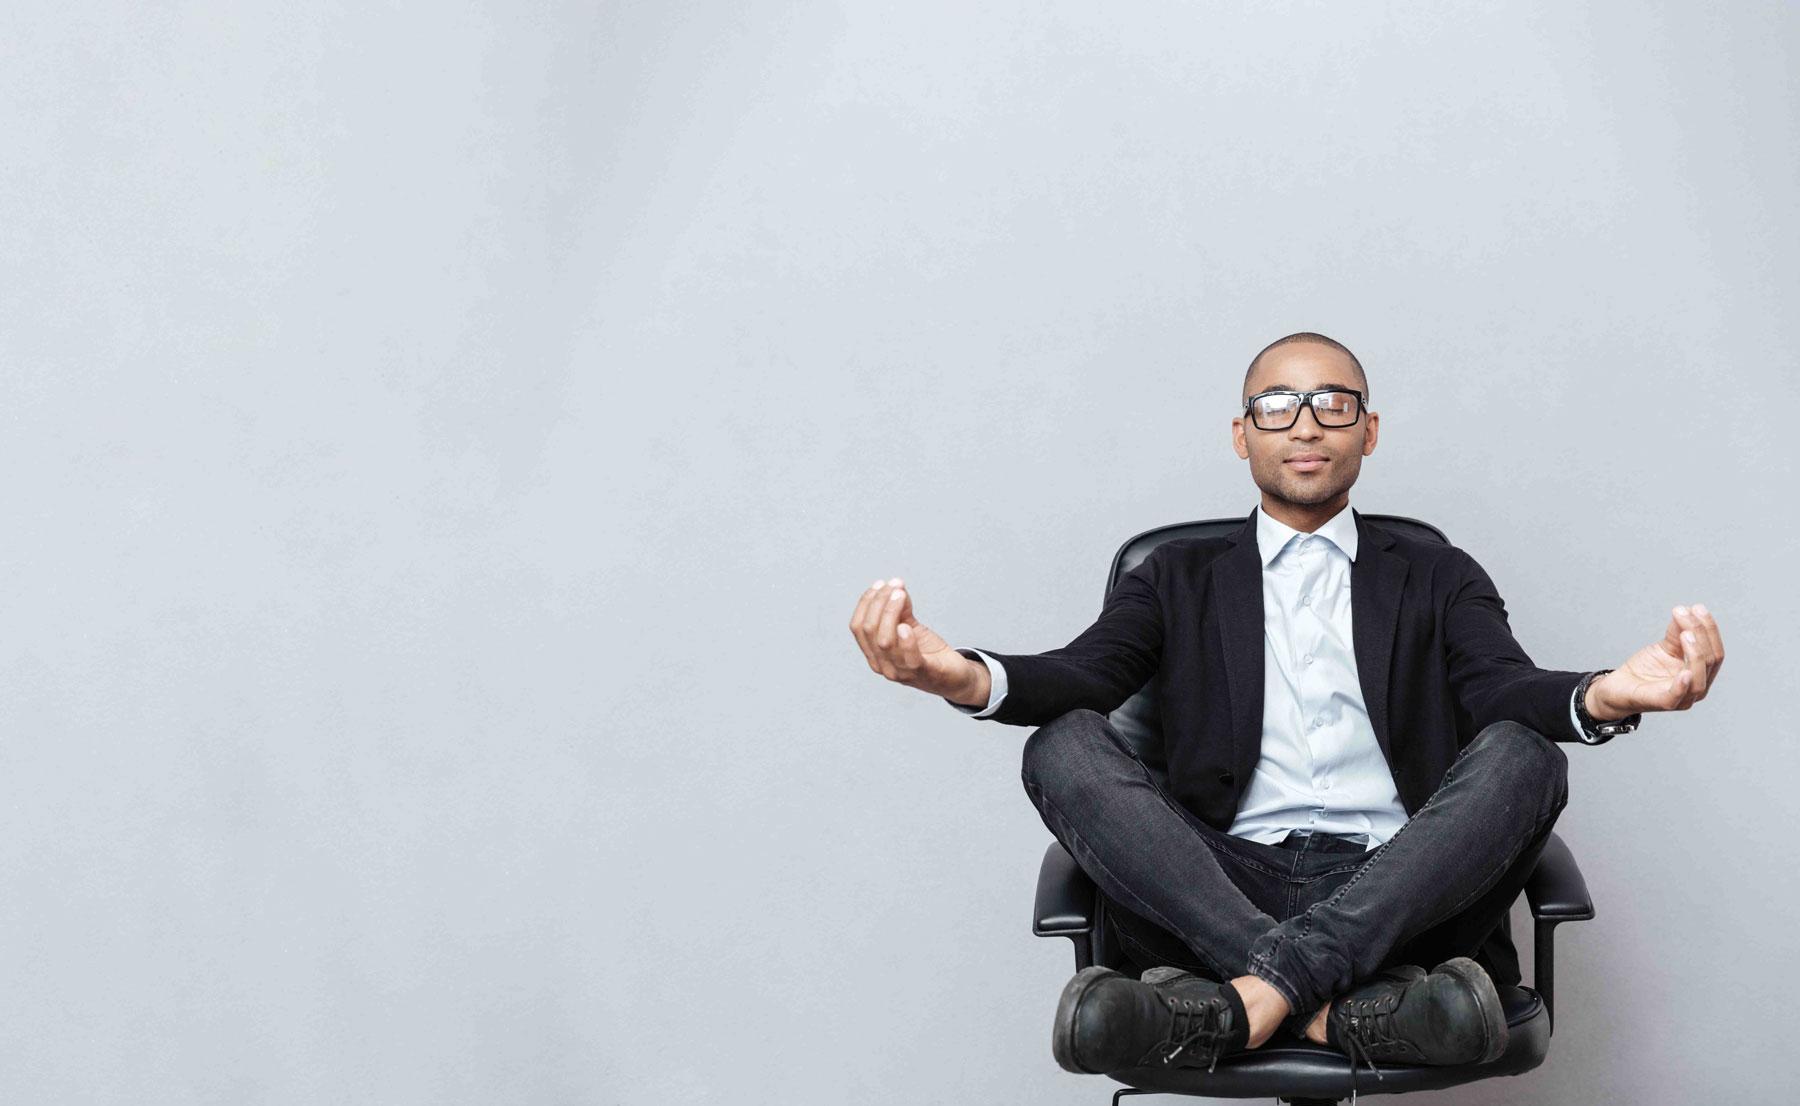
(1101, 668)
(1490, 673)
(1495, 679)
(1098, 670)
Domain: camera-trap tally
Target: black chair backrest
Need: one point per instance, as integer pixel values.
(1137, 718)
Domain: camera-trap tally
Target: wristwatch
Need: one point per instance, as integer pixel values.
(1593, 731)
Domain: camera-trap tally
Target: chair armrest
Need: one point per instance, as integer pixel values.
(1557, 894)
(1065, 896)
(1556, 890)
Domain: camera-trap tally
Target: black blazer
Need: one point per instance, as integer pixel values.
(1434, 655)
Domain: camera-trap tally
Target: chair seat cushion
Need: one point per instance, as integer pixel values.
(1295, 1067)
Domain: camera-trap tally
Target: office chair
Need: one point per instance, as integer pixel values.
(1297, 1071)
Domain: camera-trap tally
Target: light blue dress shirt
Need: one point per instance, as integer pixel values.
(1321, 768)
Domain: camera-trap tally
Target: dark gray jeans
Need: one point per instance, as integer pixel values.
(1315, 915)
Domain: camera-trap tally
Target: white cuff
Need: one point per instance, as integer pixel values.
(996, 687)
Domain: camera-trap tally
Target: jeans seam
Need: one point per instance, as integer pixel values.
(1341, 868)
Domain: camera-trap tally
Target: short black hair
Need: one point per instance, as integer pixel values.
(1316, 339)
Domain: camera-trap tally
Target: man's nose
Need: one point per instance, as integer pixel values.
(1307, 428)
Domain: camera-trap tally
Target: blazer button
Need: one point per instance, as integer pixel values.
(1226, 778)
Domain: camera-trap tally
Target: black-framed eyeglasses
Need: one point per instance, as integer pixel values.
(1334, 408)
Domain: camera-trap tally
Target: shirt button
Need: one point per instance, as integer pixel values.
(1306, 600)
(1326, 784)
(1309, 658)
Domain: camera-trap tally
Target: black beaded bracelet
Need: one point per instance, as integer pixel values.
(1594, 731)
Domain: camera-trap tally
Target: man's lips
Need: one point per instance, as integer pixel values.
(1307, 462)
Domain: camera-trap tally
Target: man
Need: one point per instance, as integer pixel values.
(1360, 768)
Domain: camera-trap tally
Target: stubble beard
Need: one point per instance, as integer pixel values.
(1295, 488)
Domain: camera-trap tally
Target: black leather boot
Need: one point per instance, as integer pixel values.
(1450, 1015)
(1106, 1021)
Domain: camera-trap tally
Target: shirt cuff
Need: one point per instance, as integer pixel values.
(996, 686)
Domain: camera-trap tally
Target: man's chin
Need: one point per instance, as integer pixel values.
(1305, 495)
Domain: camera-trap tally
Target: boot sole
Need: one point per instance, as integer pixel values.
(1062, 1036)
(1487, 1000)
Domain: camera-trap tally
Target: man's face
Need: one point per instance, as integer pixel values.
(1303, 367)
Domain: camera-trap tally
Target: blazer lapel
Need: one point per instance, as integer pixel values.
(1376, 578)
(1237, 588)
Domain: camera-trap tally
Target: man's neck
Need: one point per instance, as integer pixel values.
(1303, 517)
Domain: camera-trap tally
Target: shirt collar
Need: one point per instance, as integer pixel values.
(1272, 536)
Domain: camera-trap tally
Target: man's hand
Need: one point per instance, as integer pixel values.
(1671, 674)
(909, 652)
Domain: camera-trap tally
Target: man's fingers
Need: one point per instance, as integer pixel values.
(856, 625)
(906, 635)
(907, 648)
(1672, 633)
(859, 619)
(872, 612)
(885, 638)
(1702, 641)
(1715, 640)
(1697, 650)
(910, 657)
(1695, 659)
(1677, 698)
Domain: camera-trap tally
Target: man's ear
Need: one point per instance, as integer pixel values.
(1237, 439)
(1372, 433)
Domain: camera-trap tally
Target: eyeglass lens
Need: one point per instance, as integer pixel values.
(1278, 410)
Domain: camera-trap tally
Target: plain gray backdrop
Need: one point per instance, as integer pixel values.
(445, 444)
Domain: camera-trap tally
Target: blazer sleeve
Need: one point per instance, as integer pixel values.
(1490, 674)
(1105, 665)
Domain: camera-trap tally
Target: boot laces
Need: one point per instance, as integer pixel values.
(1199, 1024)
(1361, 1029)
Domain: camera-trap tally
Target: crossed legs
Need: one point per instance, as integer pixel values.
(1443, 881)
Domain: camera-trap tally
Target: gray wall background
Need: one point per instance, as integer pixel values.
(445, 446)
